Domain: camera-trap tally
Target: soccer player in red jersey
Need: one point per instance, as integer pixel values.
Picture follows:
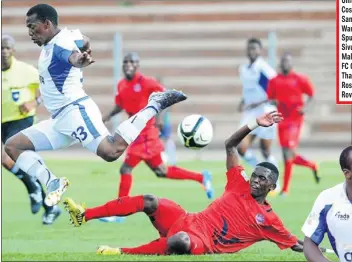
(131, 96)
(288, 90)
(234, 221)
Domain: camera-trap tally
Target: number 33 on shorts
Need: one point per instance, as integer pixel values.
(77, 123)
(79, 134)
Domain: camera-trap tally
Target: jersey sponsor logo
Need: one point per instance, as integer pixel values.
(15, 95)
(260, 219)
(221, 237)
(137, 88)
(341, 216)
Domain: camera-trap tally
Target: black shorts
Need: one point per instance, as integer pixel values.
(9, 129)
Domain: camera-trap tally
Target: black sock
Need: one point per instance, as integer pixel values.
(28, 181)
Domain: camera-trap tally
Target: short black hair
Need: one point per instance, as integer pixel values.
(255, 41)
(44, 12)
(344, 157)
(272, 168)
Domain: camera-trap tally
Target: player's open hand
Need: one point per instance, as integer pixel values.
(269, 119)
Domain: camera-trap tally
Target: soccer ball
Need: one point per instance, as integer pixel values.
(195, 131)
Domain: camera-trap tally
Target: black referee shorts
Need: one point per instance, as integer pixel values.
(9, 129)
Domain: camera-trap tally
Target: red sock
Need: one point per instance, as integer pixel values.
(119, 207)
(125, 185)
(287, 175)
(300, 161)
(174, 172)
(156, 247)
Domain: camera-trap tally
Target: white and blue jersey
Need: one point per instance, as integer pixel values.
(332, 215)
(60, 82)
(255, 78)
(75, 118)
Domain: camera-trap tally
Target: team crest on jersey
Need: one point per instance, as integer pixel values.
(137, 88)
(260, 219)
(15, 95)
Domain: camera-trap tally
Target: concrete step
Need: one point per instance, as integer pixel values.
(211, 8)
(91, 28)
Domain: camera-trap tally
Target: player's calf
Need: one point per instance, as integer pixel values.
(179, 244)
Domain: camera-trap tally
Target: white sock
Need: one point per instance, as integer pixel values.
(32, 164)
(250, 158)
(130, 129)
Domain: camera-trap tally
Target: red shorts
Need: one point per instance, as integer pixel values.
(170, 218)
(289, 133)
(145, 150)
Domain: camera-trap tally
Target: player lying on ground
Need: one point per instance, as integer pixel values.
(288, 90)
(20, 97)
(148, 147)
(332, 215)
(236, 220)
(75, 118)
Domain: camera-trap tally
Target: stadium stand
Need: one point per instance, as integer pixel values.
(197, 47)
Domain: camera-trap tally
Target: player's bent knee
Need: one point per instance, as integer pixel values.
(160, 171)
(11, 148)
(150, 204)
(16, 144)
(179, 244)
(109, 155)
(125, 169)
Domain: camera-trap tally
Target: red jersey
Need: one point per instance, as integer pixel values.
(132, 96)
(288, 91)
(236, 220)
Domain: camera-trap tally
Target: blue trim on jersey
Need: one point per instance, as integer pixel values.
(263, 81)
(332, 241)
(79, 43)
(74, 102)
(59, 67)
(87, 121)
(322, 228)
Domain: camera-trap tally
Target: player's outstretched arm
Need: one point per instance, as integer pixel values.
(312, 252)
(231, 144)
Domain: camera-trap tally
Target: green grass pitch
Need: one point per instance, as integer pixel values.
(95, 182)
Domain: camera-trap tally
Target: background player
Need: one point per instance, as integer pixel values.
(20, 97)
(75, 118)
(288, 90)
(332, 215)
(255, 76)
(236, 220)
(131, 96)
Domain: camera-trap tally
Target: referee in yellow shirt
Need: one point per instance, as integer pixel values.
(20, 97)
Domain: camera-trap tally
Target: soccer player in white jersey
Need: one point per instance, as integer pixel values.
(332, 215)
(75, 118)
(255, 76)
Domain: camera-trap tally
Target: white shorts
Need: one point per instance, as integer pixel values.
(267, 133)
(78, 122)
